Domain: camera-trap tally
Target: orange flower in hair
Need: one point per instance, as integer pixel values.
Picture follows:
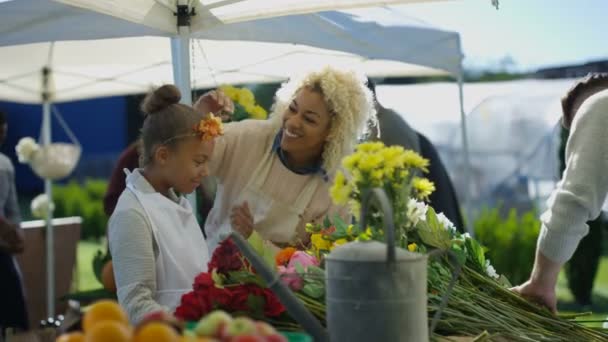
(209, 128)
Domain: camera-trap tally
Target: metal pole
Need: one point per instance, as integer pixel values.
(466, 159)
(180, 56)
(48, 189)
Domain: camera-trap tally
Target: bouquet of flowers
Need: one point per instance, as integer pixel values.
(245, 106)
(230, 285)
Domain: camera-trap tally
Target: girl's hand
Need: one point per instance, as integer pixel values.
(242, 220)
(215, 102)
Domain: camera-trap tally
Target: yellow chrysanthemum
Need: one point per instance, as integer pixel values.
(319, 242)
(340, 191)
(393, 156)
(423, 187)
(370, 162)
(377, 177)
(357, 176)
(413, 159)
(258, 112)
(229, 91)
(350, 229)
(412, 247)
(246, 97)
(351, 162)
(338, 242)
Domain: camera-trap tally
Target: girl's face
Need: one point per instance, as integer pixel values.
(186, 164)
(306, 124)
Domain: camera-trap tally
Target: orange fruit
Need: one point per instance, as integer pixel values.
(71, 337)
(109, 331)
(107, 277)
(101, 311)
(156, 332)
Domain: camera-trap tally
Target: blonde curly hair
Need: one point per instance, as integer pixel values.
(346, 95)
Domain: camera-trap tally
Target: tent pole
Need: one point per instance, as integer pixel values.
(180, 56)
(466, 159)
(48, 189)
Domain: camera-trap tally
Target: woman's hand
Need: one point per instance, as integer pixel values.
(216, 102)
(539, 294)
(242, 220)
(540, 288)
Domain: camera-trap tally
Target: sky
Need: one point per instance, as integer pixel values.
(534, 33)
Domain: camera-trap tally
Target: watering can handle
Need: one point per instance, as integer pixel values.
(446, 296)
(387, 210)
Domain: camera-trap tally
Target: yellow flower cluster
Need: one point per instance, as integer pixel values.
(324, 240)
(245, 98)
(341, 190)
(376, 165)
(423, 187)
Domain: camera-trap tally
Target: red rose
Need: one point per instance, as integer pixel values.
(227, 257)
(240, 295)
(221, 298)
(203, 281)
(205, 301)
(189, 308)
(272, 305)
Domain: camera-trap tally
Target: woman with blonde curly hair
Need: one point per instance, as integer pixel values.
(274, 176)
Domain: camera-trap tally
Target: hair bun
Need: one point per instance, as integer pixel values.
(160, 99)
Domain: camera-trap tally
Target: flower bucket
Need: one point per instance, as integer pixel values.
(56, 160)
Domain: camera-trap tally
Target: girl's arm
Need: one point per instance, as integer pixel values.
(133, 258)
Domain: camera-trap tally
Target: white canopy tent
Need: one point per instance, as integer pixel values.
(91, 48)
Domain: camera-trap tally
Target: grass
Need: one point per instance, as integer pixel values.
(84, 279)
(599, 309)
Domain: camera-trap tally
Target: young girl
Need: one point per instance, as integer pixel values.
(156, 243)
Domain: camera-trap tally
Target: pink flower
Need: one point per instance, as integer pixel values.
(302, 258)
(290, 277)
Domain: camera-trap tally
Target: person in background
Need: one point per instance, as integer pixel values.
(394, 130)
(13, 312)
(582, 267)
(579, 196)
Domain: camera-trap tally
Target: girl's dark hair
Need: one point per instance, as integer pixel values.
(580, 91)
(166, 121)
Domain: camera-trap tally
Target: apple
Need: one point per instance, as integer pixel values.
(247, 338)
(276, 338)
(264, 328)
(240, 326)
(163, 317)
(213, 324)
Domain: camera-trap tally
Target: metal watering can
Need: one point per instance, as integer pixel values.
(375, 292)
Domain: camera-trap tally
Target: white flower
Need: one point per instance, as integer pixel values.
(466, 236)
(490, 270)
(446, 223)
(416, 211)
(39, 206)
(26, 148)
